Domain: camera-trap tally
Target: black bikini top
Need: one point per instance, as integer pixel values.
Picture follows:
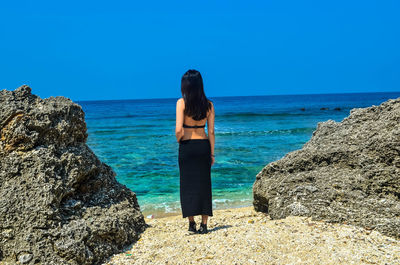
(195, 126)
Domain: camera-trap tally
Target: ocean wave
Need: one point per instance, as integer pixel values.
(114, 117)
(140, 132)
(295, 113)
(302, 130)
(175, 206)
(256, 114)
(135, 126)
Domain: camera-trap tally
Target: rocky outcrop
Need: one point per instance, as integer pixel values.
(347, 172)
(59, 204)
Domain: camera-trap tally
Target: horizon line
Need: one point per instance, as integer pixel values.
(271, 95)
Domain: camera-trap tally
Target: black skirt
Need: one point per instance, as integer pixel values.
(195, 177)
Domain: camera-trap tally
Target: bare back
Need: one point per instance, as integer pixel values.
(185, 133)
(195, 133)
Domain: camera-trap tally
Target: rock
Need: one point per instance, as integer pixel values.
(25, 258)
(347, 172)
(59, 204)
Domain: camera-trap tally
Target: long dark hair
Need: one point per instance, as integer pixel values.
(196, 102)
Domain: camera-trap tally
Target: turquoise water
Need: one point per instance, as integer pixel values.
(137, 139)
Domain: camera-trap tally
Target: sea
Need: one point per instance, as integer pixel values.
(136, 137)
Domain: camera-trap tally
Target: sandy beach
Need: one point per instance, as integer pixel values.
(243, 236)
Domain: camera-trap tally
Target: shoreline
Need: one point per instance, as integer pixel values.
(244, 236)
(157, 214)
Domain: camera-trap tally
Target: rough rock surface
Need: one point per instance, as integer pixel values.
(59, 204)
(347, 172)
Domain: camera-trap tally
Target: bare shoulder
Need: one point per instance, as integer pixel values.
(180, 101)
(212, 106)
(211, 109)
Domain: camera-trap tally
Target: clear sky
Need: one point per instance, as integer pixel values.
(88, 50)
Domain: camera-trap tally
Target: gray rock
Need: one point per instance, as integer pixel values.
(347, 172)
(59, 204)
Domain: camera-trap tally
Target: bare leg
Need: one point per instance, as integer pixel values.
(204, 219)
(191, 218)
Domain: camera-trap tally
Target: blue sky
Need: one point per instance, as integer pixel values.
(91, 50)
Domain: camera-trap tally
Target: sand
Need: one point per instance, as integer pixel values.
(243, 236)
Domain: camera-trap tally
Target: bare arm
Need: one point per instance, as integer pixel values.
(210, 127)
(179, 119)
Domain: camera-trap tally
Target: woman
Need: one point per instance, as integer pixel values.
(196, 150)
